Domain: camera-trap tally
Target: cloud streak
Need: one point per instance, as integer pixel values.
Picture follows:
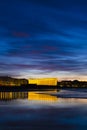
(43, 36)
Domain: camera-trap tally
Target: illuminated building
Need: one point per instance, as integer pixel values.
(43, 81)
(8, 81)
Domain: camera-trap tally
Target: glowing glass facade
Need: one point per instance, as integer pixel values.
(44, 81)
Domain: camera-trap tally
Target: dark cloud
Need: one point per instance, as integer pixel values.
(45, 36)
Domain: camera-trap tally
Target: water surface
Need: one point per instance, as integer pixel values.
(41, 110)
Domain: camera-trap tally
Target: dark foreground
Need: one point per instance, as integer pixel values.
(42, 111)
(27, 88)
(17, 118)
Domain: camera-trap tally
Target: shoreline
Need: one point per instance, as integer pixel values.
(37, 88)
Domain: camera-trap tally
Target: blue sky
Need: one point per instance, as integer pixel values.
(42, 38)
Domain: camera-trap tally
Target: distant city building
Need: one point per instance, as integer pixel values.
(8, 81)
(43, 81)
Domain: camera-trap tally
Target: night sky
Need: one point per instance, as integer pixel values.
(43, 38)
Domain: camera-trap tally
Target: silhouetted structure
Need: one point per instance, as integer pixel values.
(41, 83)
(8, 81)
(73, 84)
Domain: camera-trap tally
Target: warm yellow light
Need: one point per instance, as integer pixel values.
(41, 97)
(43, 81)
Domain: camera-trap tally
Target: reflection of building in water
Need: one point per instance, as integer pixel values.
(41, 97)
(13, 95)
(44, 81)
(27, 95)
